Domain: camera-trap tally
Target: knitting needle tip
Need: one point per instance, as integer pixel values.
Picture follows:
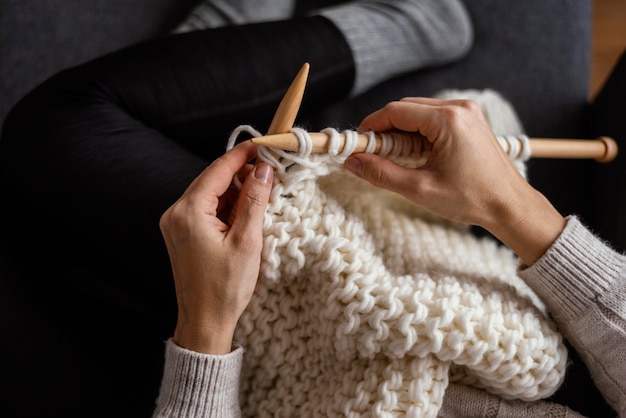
(287, 111)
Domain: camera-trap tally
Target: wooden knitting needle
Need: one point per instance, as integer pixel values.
(603, 149)
(288, 108)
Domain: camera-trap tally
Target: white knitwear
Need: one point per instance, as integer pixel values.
(368, 306)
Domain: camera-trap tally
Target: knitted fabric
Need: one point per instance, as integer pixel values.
(369, 306)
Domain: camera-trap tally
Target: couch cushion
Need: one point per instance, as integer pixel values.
(40, 37)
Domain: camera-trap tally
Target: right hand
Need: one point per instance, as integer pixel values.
(467, 176)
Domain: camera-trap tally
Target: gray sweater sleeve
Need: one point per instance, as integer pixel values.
(199, 385)
(581, 280)
(583, 283)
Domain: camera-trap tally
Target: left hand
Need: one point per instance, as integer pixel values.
(216, 262)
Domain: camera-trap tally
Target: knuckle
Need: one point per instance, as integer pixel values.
(420, 189)
(175, 219)
(460, 110)
(378, 176)
(451, 114)
(219, 161)
(256, 196)
(248, 244)
(392, 107)
(472, 106)
(164, 221)
(219, 164)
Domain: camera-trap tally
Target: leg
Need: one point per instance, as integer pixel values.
(387, 37)
(91, 159)
(105, 148)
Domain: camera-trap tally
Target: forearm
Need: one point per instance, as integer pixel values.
(582, 282)
(199, 385)
(580, 279)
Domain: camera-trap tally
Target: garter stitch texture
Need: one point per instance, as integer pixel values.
(368, 307)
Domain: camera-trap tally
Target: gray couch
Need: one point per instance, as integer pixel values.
(61, 353)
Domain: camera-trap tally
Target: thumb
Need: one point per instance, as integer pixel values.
(252, 203)
(381, 172)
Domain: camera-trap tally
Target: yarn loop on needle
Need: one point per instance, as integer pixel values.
(395, 145)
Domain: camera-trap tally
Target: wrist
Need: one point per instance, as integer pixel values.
(206, 339)
(526, 222)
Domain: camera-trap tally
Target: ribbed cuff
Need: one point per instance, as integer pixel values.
(199, 385)
(575, 271)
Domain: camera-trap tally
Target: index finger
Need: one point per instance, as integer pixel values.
(404, 115)
(216, 178)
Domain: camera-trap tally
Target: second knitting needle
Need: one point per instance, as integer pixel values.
(603, 149)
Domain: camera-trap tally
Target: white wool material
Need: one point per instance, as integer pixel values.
(368, 306)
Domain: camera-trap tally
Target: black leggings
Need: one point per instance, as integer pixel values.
(94, 156)
(90, 160)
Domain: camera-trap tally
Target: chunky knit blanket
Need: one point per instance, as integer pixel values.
(369, 306)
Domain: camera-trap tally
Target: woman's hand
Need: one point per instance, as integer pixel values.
(467, 177)
(213, 235)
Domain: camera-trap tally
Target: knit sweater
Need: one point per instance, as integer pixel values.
(582, 282)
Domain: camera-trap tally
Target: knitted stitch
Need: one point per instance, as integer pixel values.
(369, 306)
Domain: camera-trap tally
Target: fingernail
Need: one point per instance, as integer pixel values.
(263, 172)
(354, 164)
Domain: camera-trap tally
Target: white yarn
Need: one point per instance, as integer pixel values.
(365, 307)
